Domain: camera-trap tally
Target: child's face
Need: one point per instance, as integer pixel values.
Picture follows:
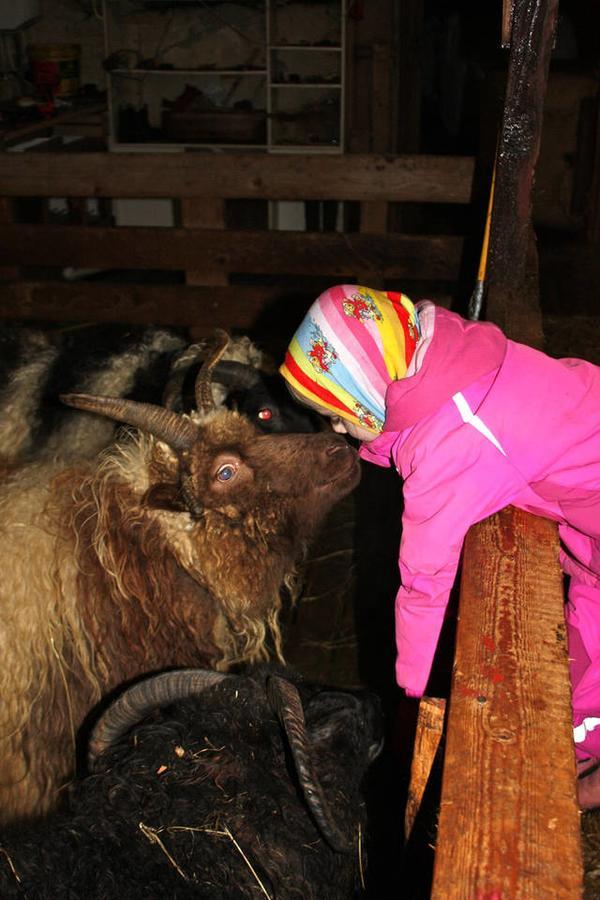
(339, 425)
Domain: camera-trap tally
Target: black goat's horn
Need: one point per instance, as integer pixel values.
(179, 369)
(203, 389)
(233, 374)
(286, 703)
(140, 699)
(176, 431)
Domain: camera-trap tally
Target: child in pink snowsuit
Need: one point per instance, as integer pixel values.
(473, 422)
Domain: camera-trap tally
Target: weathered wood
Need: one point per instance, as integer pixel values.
(430, 726)
(320, 253)
(210, 213)
(533, 23)
(509, 822)
(7, 273)
(425, 179)
(163, 304)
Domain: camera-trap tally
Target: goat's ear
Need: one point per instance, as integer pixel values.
(165, 496)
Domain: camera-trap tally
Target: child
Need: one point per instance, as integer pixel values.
(473, 422)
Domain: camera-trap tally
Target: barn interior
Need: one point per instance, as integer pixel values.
(199, 163)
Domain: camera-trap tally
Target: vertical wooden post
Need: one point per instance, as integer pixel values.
(7, 273)
(208, 213)
(430, 726)
(509, 822)
(533, 24)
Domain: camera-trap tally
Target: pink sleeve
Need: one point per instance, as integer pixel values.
(452, 484)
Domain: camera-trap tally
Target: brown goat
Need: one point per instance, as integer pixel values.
(170, 550)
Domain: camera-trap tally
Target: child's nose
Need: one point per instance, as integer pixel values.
(338, 426)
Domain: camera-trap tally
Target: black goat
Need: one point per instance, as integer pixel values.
(250, 790)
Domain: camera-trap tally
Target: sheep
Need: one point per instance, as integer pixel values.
(241, 786)
(171, 549)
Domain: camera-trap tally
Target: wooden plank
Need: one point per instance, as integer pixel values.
(7, 273)
(426, 179)
(164, 304)
(509, 822)
(430, 725)
(533, 24)
(320, 253)
(210, 213)
(14, 135)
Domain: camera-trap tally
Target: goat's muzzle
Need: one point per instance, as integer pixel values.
(341, 464)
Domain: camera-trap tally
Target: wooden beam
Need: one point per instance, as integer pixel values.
(509, 821)
(197, 213)
(426, 179)
(533, 24)
(430, 727)
(320, 253)
(164, 304)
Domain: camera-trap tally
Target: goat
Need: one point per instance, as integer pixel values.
(170, 550)
(242, 786)
(244, 381)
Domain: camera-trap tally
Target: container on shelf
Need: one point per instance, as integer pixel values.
(55, 68)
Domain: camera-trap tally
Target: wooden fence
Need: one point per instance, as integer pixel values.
(231, 274)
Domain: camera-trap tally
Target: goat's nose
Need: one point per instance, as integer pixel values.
(337, 447)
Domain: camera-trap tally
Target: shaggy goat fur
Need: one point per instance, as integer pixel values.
(201, 801)
(106, 576)
(39, 365)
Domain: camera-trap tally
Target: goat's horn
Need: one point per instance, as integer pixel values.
(139, 700)
(176, 431)
(203, 389)
(181, 365)
(231, 373)
(286, 703)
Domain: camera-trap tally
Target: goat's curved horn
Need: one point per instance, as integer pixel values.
(140, 699)
(231, 373)
(203, 390)
(286, 703)
(176, 431)
(181, 366)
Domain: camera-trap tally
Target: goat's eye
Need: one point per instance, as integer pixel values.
(226, 472)
(265, 414)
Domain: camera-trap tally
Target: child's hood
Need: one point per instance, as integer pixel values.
(460, 352)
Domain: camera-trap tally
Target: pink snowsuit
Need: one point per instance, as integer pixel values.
(483, 423)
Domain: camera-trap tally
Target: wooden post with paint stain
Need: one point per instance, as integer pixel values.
(509, 823)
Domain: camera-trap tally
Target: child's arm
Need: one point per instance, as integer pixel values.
(459, 482)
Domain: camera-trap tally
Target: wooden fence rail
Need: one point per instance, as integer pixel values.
(251, 268)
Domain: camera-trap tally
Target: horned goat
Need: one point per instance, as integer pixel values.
(170, 550)
(241, 786)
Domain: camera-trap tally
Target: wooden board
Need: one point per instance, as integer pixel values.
(318, 253)
(426, 179)
(163, 304)
(509, 822)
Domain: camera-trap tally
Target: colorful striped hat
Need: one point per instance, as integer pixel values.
(351, 345)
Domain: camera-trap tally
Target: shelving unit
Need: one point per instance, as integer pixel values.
(263, 75)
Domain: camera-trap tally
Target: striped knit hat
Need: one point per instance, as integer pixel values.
(351, 344)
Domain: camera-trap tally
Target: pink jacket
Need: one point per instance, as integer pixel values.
(486, 422)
